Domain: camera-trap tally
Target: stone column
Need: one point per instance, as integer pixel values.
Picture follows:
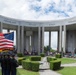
(1, 27)
(32, 41)
(18, 39)
(28, 43)
(35, 41)
(58, 42)
(50, 39)
(25, 40)
(42, 39)
(8, 30)
(22, 39)
(39, 31)
(64, 46)
(60, 39)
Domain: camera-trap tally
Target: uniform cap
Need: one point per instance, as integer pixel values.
(13, 54)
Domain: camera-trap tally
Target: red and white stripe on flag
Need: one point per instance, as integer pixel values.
(5, 44)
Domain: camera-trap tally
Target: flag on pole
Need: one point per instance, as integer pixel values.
(6, 41)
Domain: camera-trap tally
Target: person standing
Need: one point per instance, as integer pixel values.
(0, 58)
(8, 64)
(3, 65)
(14, 64)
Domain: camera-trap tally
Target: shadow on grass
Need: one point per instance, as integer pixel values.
(42, 70)
(60, 68)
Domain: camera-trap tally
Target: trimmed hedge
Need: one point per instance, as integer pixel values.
(20, 60)
(23, 63)
(20, 55)
(35, 58)
(42, 55)
(30, 65)
(26, 64)
(58, 55)
(55, 65)
(35, 66)
(50, 59)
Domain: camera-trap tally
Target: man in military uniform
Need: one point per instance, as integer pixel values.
(3, 64)
(14, 64)
(0, 59)
(8, 64)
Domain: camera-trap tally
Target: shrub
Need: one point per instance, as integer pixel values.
(55, 65)
(58, 55)
(30, 65)
(19, 54)
(20, 60)
(50, 59)
(26, 64)
(42, 55)
(35, 58)
(23, 63)
(35, 66)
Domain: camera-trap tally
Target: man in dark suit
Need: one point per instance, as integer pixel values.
(3, 64)
(14, 64)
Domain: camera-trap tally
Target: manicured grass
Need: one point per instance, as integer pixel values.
(67, 71)
(0, 72)
(26, 72)
(67, 60)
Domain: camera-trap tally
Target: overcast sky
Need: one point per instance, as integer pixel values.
(39, 10)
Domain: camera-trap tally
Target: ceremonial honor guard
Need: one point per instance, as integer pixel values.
(14, 64)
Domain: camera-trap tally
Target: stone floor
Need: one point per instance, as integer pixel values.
(44, 64)
(44, 68)
(69, 65)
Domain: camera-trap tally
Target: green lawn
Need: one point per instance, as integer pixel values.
(67, 71)
(0, 72)
(26, 72)
(67, 60)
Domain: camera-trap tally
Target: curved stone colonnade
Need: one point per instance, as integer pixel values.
(31, 33)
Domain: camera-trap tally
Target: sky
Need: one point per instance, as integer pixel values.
(39, 10)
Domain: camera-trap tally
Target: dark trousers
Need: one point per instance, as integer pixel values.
(5, 71)
(13, 72)
(2, 71)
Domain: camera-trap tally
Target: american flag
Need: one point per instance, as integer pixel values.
(6, 41)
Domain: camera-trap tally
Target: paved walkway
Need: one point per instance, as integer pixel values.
(48, 72)
(69, 65)
(44, 64)
(44, 68)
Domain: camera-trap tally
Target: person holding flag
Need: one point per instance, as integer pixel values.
(6, 44)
